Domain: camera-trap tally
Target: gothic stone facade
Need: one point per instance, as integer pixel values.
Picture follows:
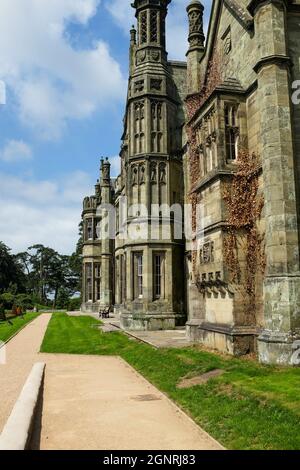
(219, 133)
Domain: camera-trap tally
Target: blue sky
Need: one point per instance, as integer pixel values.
(65, 65)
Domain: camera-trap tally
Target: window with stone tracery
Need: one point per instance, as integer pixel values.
(206, 135)
(137, 275)
(153, 26)
(232, 131)
(123, 278)
(201, 154)
(88, 229)
(88, 282)
(139, 127)
(97, 270)
(156, 126)
(159, 276)
(210, 141)
(143, 27)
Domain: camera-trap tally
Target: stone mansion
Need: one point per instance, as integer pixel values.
(217, 136)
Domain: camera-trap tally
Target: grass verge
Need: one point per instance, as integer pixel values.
(249, 407)
(7, 330)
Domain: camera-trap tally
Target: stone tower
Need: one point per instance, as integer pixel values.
(278, 339)
(243, 291)
(98, 246)
(149, 285)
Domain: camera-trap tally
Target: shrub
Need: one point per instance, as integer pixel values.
(74, 304)
(8, 300)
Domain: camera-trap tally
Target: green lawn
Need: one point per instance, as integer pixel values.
(7, 330)
(249, 407)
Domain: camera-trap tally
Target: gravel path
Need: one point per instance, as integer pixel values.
(94, 402)
(101, 403)
(21, 354)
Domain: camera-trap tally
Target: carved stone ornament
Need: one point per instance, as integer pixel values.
(140, 57)
(196, 33)
(162, 173)
(106, 171)
(134, 175)
(139, 86)
(142, 174)
(196, 22)
(207, 253)
(227, 45)
(153, 173)
(208, 141)
(155, 84)
(155, 56)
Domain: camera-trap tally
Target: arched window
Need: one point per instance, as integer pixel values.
(231, 132)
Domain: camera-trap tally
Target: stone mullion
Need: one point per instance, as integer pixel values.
(147, 126)
(148, 26)
(84, 282)
(164, 127)
(93, 281)
(148, 195)
(117, 279)
(159, 38)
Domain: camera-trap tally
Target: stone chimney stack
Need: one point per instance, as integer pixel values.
(195, 11)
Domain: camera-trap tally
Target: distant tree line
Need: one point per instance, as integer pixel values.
(40, 277)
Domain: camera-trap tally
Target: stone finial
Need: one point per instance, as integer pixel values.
(97, 190)
(133, 35)
(105, 170)
(195, 12)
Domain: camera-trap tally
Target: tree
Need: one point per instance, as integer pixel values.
(41, 261)
(51, 272)
(41, 274)
(10, 270)
(63, 298)
(76, 259)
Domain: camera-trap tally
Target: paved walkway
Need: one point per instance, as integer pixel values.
(94, 402)
(163, 339)
(159, 339)
(100, 403)
(21, 353)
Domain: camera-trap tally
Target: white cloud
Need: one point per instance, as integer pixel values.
(52, 81)
(44, 212)
(16, 151)
(2, 92)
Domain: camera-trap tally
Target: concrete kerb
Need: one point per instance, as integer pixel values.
(17, 431)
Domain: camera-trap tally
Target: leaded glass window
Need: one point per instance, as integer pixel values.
(153, 26)
(143, 27)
